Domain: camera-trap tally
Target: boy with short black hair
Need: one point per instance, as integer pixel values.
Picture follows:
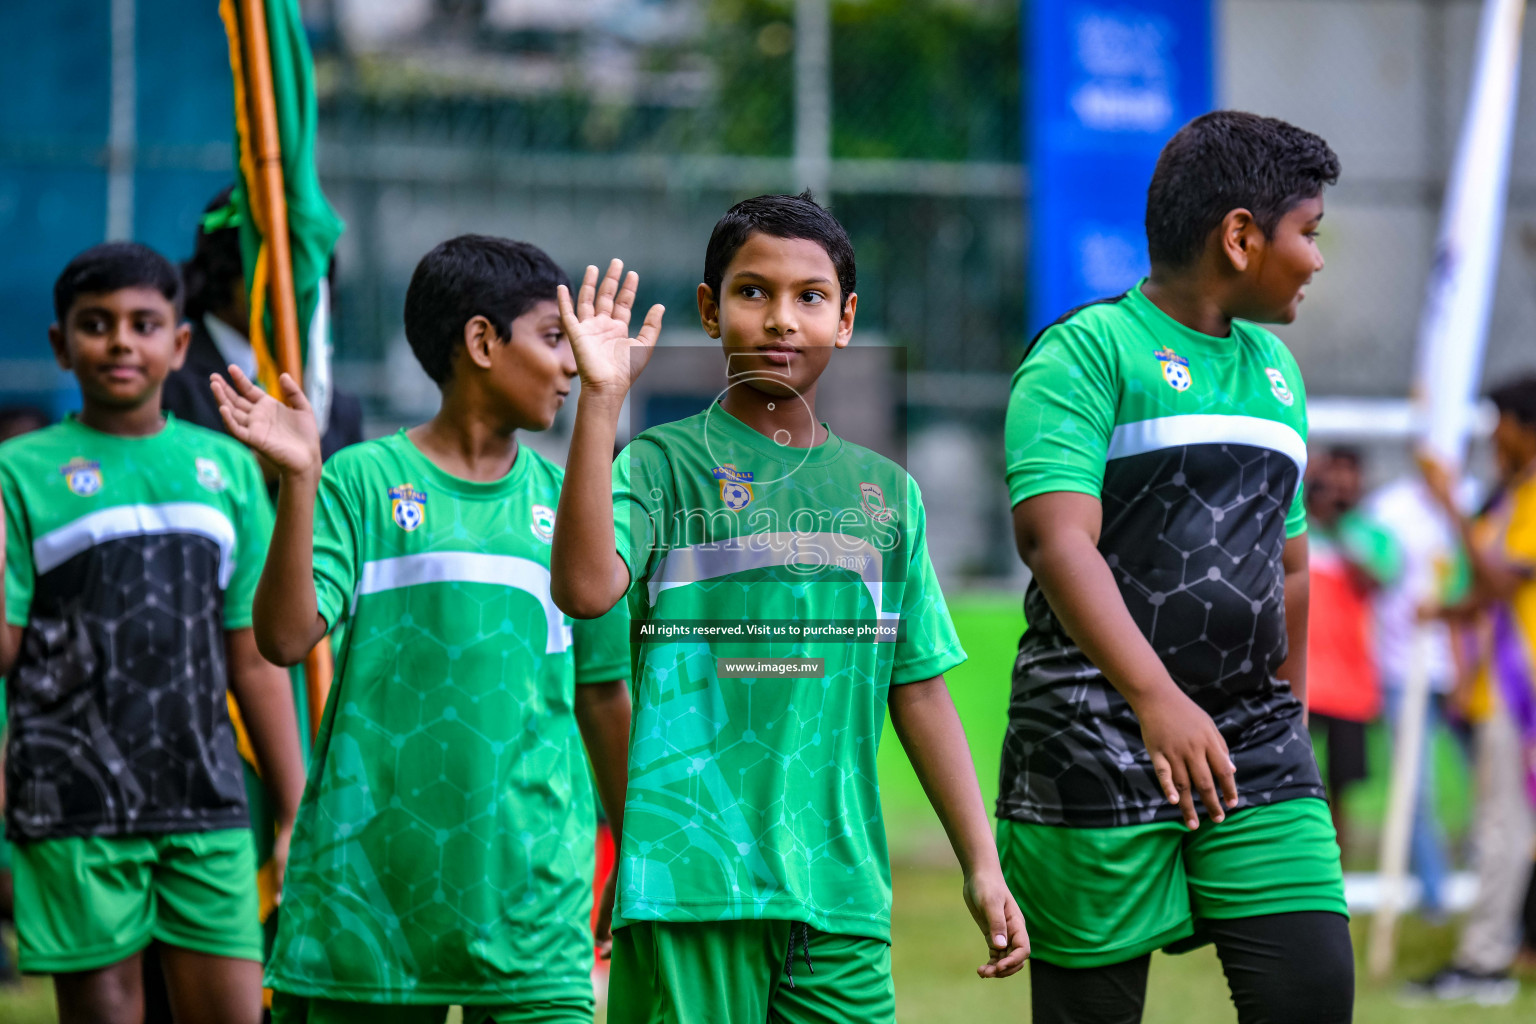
(754, 883)
(1156, 443)
(444, 848)
(133, 544)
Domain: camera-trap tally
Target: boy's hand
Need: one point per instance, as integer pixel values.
(280, 843)
(998, 916)
(607, 358)
(285, 432)
(602, 930)
(1188, 754)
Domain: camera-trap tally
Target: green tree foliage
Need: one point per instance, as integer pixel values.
(912, 79)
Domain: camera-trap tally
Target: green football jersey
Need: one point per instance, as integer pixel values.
(757, 797)
(1195, 447)
(127, 560)
(444, 848)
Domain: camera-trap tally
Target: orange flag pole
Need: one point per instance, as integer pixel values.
(268, 155)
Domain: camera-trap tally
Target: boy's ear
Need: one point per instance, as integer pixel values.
(60, 349)
(845, 322)
(1239, 236)
(709, 310)
(183, 339)
(479, 336)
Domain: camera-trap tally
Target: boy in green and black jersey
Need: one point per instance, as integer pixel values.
(753, 877)
(1156, 443)
(133, 545)
(444, 848)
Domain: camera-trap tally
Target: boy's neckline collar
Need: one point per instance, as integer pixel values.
(1213, 344)
(764, 445)
(168, 423)
(447, 481)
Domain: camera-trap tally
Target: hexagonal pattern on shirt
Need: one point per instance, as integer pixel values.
(119, 696)
(1194, 536)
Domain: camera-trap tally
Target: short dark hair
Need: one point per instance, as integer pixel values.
(469, 276)
(113, 266)
(1517, 398)
(782, 217)
(216, 264)
(1225, 160)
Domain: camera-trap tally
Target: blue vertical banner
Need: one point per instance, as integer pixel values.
(1109, 82)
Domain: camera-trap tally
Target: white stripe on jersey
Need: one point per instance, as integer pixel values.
(58, 546)
(682, 566)
(1176, 431)
(469, 567)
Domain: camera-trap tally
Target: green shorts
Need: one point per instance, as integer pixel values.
(1096, 896)
(87, 902)
(734, 972)
(290, 1009)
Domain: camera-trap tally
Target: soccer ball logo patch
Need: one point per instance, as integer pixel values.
(544, 523)
(82, 476)
(1175, 369)
(1277, 385)
(872, 501)
(209, 476)
(408, 507)
(735, 486)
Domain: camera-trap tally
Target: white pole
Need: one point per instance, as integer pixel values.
(813, 97)
(122, 129)
(1453, 332)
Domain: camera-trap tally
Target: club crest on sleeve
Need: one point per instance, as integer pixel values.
(210, 476)
(83, 476)
(1277, 385)
(1175, 369)
(872, 501)
(544, 523)
(735, 486)
(408, 507)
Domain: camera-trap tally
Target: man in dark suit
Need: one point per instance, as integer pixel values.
(219, 310)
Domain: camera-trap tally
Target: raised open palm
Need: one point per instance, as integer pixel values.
(285, 432)
(607, 358)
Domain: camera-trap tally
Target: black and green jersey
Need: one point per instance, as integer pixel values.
(1195, 446)
(127, 558)
(757, 797)
(444, 847)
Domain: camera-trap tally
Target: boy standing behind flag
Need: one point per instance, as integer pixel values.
(753, 871)
(444, 848)
(133, 545)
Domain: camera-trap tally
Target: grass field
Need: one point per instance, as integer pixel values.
(936, 947)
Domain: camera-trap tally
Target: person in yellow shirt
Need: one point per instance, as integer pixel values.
(1501, 702)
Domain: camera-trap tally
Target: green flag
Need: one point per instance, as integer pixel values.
(313, 227)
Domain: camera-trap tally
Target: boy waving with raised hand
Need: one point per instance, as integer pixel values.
(753, 881)
(444, 850)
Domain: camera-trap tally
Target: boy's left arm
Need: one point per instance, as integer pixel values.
(603, 716)
(929, 729)
(265, 698)
(1297, 603)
